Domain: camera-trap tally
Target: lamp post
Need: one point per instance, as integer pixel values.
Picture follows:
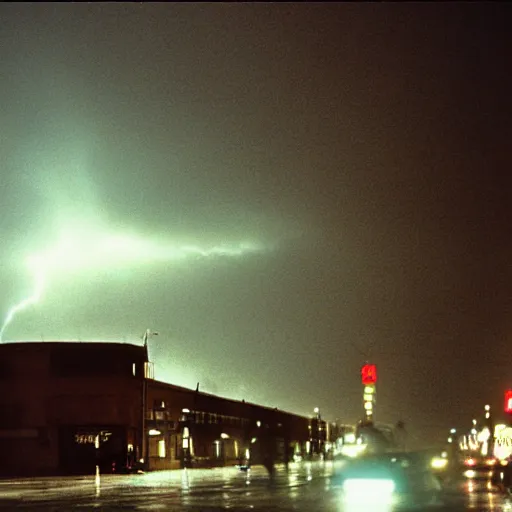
(489, 420)
(145, 455)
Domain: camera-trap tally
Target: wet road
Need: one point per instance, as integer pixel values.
(305, 487)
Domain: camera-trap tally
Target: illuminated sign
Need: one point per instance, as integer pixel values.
(508, 401)
(92, 438)
(369, 374)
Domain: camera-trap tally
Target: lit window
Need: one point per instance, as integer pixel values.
(161, 449)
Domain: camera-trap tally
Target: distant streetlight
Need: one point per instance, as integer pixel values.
(145, 441)
(148, 334)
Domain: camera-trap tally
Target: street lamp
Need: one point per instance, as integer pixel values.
(148, 334)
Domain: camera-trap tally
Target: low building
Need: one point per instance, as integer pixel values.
(68, 407)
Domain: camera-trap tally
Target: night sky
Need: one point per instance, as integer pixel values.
(364, 149)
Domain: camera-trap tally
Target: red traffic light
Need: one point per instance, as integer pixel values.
(508, 401)
(369, 375)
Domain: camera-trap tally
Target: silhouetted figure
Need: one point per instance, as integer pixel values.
(269, 452)
(268, 463)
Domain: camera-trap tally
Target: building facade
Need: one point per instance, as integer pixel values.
(68, 407)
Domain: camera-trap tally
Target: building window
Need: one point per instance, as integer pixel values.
(161, 449)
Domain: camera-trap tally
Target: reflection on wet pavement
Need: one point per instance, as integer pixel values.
(305, 486)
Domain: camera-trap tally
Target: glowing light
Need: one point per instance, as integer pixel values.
(484, 435)
(350, 438)
(508, 401)
(86, 249)
(161, 449)
(374, 494)
(438, 463)
(369, 374)
(365, 484)
(154, 432)
(352, 450)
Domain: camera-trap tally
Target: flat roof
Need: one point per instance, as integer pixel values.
(113, 345)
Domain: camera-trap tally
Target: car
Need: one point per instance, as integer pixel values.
(390, 479)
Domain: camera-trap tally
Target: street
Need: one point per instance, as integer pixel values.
(306, 486)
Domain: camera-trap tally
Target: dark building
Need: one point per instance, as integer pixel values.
(68, 407)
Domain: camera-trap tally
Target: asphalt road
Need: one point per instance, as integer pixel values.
(305, 487)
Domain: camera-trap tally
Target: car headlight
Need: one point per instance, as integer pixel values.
(363, 487)
(438, 463)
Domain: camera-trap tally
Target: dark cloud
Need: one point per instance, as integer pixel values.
(365, 146)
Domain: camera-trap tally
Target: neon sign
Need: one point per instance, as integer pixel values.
(508, 401)
(369, 374)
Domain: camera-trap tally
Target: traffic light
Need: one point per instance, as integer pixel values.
(508, 401)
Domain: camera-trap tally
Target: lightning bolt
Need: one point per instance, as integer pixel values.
(39, 284)
(83, 251)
